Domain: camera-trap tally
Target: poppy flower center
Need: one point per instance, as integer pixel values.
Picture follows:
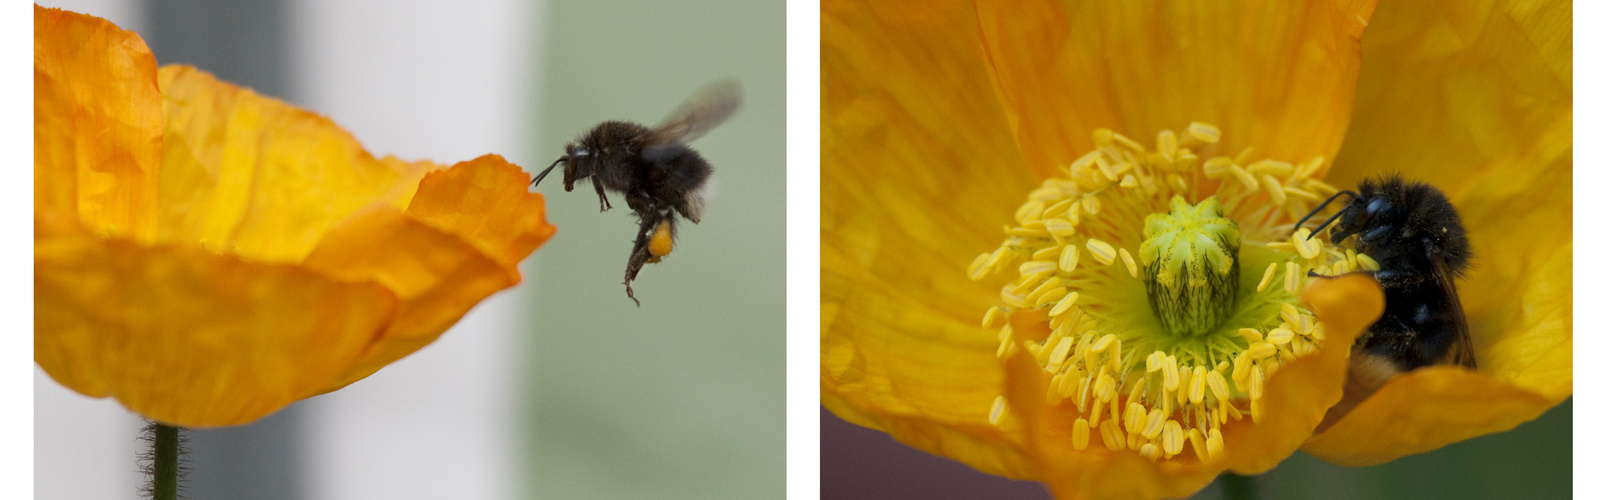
(1156, 354)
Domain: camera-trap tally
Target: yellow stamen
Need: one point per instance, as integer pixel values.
(1196, 382)
(1219, 357)
(1172, 437)
(1112, 436)
(1079, 434)
(1291, 280)
(1101, 251)
(1063, 305)
(992, 317)
(1196, 439)
(1271, 270)
(997, 413)
(1150, 451)
(1280, 336)
(1215, 444)
(1153, 424)
(1068, 258)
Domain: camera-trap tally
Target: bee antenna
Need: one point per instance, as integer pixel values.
(1321, 207)
(548, 170)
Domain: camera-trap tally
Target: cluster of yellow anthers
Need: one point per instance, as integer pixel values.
(1102, 340)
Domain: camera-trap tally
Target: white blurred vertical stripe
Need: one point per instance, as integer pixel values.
(445, 81)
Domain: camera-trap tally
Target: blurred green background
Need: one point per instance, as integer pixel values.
(683, 397)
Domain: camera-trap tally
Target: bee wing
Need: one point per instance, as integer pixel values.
(708, 107)
(1461, 349)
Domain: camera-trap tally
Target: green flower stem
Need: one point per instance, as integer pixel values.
(164, 461)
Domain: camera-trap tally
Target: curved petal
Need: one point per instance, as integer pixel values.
(1422, 411)
(1518, 379)
(1278, 76)
(259, 178)
(188, 337)
(459, 241)
(1297, 396)
(1476, 98)
(97, 124)
(917, 169)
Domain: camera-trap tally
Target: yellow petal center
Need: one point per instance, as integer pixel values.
(1137, 379)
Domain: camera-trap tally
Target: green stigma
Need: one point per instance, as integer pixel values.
(1190, 266)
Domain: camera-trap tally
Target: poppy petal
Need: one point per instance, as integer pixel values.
(97, 124)
(188, 337)
(257, 177)
(1278, 76)
(1476, 99)
(459, 241)
(918, 168)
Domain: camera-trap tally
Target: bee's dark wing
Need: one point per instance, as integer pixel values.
(1461, 348)
(705, 109)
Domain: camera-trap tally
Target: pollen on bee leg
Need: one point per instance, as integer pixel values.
(997, 414)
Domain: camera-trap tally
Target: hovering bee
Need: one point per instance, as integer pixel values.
(652, 168)
(1415, 236)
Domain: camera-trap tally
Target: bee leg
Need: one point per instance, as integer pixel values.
(602, 195)
(640, 254)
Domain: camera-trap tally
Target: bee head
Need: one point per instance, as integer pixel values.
(573, 159)
(579, 164)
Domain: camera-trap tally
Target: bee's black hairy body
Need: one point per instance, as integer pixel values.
(1408, 228)
(616, 156)
(1415, 235)
(658, 175)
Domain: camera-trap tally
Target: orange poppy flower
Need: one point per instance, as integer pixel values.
(943, 121)
(208, 256)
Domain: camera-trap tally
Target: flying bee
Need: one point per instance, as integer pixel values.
(653, 168)
(1415, 236)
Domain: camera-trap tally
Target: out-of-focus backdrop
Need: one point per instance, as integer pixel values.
(560, 387)
(683, 397)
